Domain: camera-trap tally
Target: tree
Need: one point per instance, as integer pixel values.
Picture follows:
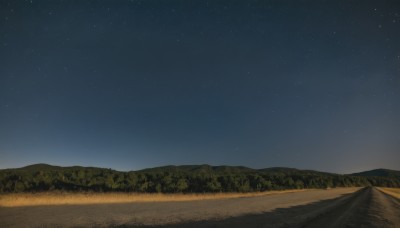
(181, 185)
(213, 185)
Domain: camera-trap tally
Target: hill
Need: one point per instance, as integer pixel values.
(199, 169)
(379, 173)
(291, 171)
(185, 178)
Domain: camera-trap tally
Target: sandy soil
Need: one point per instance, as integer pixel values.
(260, 211)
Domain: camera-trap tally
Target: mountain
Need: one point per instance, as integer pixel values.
(379, 173)
(39, 167)
(42, 167)
(292, 171)
(232, 170)
(199, 169)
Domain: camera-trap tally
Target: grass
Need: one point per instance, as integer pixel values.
(395, 192)
(65, 198)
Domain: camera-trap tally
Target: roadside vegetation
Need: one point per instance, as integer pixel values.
(74, 198)
(395, 192)
(177, 179)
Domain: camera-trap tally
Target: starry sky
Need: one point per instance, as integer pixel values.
(136, 84)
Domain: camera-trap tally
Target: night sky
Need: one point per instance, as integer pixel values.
(136, 84)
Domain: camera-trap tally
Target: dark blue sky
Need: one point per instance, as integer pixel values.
(136, 84)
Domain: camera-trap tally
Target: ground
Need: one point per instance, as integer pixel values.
(343, 207)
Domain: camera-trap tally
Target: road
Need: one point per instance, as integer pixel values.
(367, 208)
(346, 207)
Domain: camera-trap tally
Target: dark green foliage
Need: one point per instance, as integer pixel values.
(173, 179)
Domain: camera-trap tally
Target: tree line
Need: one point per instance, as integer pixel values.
(185, 179)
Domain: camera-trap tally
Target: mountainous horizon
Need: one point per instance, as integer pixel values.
(380, 172)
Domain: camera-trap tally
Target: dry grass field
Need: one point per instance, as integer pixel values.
(395, 192)
(64, 198)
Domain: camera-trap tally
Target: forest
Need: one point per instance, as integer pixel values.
(180, 179)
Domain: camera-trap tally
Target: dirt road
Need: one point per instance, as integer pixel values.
(346, 207)
(368, 208)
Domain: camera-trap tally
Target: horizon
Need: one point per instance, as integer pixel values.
(163, 166)
(135, 84)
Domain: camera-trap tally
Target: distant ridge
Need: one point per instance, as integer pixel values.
(219, 169)
(40, 166)
(200, 169)
(47, 167)
(379, 173)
